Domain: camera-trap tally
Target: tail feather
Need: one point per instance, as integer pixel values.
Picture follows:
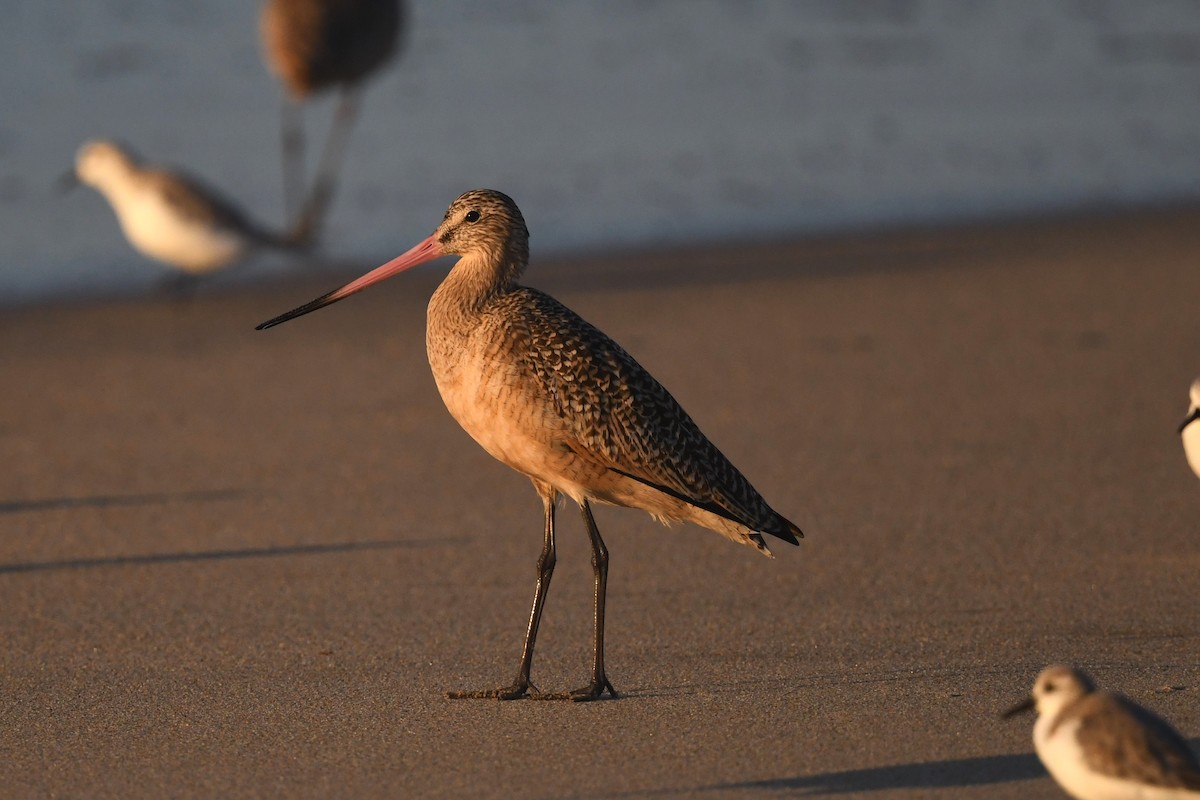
(782, 528)
(789, 532)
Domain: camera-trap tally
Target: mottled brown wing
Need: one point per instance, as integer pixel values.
(313, 44)
(619, 412)
(1159, 757)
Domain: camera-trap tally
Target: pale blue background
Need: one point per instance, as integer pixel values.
(616, 124)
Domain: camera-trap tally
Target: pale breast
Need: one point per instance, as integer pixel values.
(156, 228)
(1191, 446)
(489, 391)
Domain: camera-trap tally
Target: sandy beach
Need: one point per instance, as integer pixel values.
(240, 564)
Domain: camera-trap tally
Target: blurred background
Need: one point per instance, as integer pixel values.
(623, 124)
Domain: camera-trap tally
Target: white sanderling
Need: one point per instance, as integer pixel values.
(167, 215)
(1190, 432)
(1102, 746)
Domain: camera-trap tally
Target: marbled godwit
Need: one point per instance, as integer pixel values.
(313, 45)
(1101, 745)
(167, 215)
(557, 400)
(1190, 431)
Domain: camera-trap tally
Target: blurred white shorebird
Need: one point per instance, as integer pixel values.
(1190, 431)
(557, 400)
(167, 215)
(1102, 746)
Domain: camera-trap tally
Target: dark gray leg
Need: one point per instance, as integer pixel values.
(292, 133)
(545, 569)
(599, 682)
(599, 685)
(311, 216)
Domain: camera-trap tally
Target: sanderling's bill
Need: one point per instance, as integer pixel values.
(1101, 745)
(1189, 429)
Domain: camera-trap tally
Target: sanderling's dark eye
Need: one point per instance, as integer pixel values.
(1049, 688)
(472, 216)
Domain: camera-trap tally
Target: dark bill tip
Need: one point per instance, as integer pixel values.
(66, 182)
(1192, 417)
(1020, 708)
(427, 250)
(299, 311)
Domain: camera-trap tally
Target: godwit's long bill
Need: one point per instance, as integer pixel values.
(555, 399)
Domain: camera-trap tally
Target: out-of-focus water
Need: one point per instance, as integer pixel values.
(624, 123)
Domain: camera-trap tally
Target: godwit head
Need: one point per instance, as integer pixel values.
(486, 224)
(483, 226)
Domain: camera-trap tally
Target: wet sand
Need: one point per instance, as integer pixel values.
(249, 564)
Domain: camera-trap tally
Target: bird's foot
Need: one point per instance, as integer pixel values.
(594, 691)
(515, 692)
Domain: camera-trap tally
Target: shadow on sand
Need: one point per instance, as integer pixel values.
(117, 501)
(220, 555)
(951, 774)
(162, 498)
(955, 773)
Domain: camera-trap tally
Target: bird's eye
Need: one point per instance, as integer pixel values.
(1049, 688)
(472, 216)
